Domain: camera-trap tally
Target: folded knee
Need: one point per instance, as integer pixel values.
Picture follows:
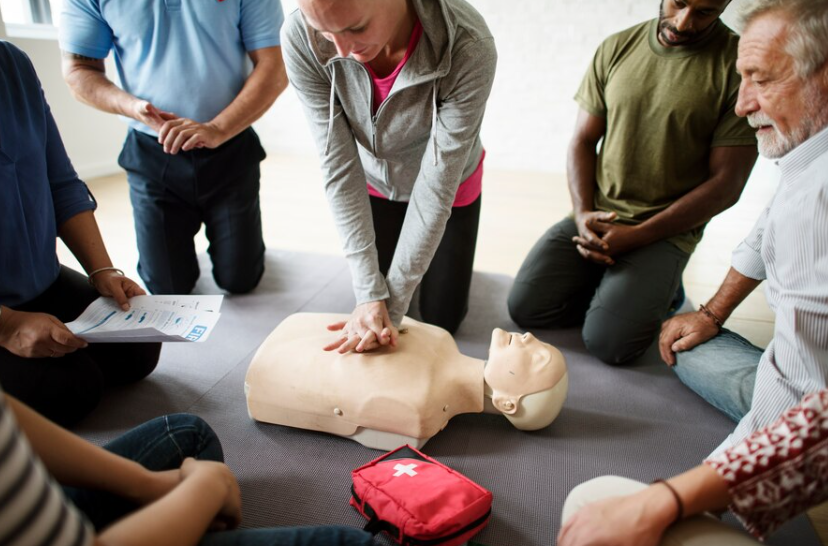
(238, 282)
(527, 312)
(613, 346)
(194, 437)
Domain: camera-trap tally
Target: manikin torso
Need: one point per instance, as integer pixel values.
(386, 397)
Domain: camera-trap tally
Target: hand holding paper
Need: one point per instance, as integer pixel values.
(149, 319)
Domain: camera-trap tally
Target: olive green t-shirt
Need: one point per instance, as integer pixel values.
(665, 107)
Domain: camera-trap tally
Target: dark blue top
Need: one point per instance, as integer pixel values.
(39, 188)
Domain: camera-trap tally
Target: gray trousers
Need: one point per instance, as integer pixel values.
(621, 307)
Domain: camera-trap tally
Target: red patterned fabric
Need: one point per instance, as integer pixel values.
(781, 470)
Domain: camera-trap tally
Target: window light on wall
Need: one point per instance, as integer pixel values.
(30, 12)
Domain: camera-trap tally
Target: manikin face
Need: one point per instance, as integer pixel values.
(359, 28)
(786, 110)
(518, 365)
(683, 22)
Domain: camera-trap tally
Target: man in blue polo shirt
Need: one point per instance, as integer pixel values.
(41, 198)
(189, 97)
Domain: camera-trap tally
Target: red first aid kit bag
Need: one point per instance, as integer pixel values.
(418, 501)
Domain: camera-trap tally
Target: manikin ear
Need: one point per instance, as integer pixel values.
(505, 404)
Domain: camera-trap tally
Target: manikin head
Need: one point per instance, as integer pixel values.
(783, 60)
(684, 22)
(527, 379)
(359, 28)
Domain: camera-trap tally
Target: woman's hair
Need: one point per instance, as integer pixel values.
(808, 33)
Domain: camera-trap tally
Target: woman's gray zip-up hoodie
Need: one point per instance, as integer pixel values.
(422, 143)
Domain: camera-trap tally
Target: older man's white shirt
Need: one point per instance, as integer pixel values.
(788, 247)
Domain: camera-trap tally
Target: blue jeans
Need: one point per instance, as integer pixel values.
(722, 371)
(163, 444)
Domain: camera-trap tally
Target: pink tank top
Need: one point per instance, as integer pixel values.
(470, 189)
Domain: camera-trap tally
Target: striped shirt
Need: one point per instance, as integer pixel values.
(788, 247)
(33, 509)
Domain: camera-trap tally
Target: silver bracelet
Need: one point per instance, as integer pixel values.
(93, 273)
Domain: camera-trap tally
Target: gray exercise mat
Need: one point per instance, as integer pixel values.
(639, 422)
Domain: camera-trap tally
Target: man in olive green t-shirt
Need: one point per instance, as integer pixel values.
(674, 154)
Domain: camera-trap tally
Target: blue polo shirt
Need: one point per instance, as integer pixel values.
(188, 57)
(39, 189)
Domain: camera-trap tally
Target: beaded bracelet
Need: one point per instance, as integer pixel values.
(710, 314)
(99, 270)
(679, 504)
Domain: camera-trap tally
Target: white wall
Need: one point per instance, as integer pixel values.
(93, 139)
(544, 49)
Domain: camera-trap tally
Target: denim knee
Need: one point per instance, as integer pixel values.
(177, 285)
(237, 281)
(194, 437)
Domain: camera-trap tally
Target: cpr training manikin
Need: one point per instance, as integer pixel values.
(405, 394)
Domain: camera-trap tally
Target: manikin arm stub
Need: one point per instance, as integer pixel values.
(526, 379)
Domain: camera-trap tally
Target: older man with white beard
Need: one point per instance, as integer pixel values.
(783, 60)
(767, 470)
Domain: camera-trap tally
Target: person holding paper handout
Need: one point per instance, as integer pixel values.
(41, 197)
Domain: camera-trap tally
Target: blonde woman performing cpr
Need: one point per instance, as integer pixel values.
(394, 91)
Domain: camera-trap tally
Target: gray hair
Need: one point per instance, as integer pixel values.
(808, 34)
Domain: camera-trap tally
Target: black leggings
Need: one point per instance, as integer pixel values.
(444, 290)
(66, 389)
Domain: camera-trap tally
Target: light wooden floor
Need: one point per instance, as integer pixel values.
(517, 208)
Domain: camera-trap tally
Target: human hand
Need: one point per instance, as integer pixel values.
(369, 328)
(229, 516)
(36, 335)
(683, 332)
(185, 134)
(587, 222)
(619, 238)
(633, 520)
(588, 242)
(112, 284)
(145, 112)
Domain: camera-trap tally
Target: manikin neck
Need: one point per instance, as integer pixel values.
(472, 383)
(488, 407)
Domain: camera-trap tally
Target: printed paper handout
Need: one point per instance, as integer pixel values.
(149, 319)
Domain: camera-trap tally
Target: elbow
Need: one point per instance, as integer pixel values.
(74, 81)
(281, 83)
(727, 198)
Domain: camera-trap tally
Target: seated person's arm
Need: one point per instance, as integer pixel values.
(642, 518)
(685, 331)
(729, 479)
(179, 505)
(36, 335)
(83, 238)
